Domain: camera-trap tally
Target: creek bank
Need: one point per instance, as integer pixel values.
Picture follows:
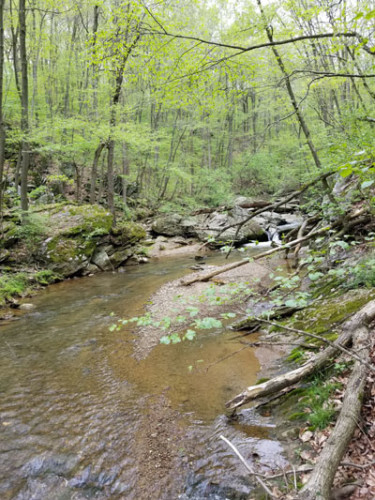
(63, 241)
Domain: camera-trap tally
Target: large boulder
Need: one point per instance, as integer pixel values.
(205, 226)
(101, 260)
(74, 232)
(168, 225)
(127, 233)
(249, 231)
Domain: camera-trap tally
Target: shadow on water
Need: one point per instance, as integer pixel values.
(81, 418)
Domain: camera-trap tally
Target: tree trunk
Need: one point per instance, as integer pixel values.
(320, 482)
(125, 172)
(25, 107)
(110, 179)
(2, 128)
(94, 172)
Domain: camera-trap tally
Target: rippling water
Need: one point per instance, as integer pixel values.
(80, 418)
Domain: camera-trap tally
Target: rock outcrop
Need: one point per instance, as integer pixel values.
(70, 240)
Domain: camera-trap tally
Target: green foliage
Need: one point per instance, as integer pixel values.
(314, 403)
(46, 277)
(13, 285)
(362, 274)
(33, 228)
(37, 192)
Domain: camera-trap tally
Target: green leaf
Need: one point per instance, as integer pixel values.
(315, 276)
(175, 338)
(193, 311)
(208, 323)
(165, 340)
(366, 184)
(190, 335)
(228, 315)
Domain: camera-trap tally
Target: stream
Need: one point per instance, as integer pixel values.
(81, 418)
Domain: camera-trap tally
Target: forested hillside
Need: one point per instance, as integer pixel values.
(181, 102)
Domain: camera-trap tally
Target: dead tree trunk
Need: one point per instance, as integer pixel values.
(320, 482)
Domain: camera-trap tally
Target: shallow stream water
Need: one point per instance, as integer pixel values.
(80, 418)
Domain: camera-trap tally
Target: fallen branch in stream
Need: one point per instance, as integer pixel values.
(229, 267)
(356, 330)
(362, 318)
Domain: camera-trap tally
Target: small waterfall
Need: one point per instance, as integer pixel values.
(273, 236)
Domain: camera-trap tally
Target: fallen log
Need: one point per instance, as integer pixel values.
(252, 323)
(234, 265)
(276, 384)
(320, 482)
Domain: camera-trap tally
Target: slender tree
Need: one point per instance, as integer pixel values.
(24, 107)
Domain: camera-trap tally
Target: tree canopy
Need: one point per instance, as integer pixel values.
(186, 102)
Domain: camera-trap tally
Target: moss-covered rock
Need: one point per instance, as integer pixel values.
(87, 220)
(74, 232)
(127, 233)
(328, 312)
(121, 256)
(68, 256)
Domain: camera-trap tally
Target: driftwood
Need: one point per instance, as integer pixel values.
(358, 320)
(254, 323)
(287, 246)
(320, 482)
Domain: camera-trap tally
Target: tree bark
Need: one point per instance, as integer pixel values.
(25, 107)
(320, 482)
(2, 128)
(94, 172)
